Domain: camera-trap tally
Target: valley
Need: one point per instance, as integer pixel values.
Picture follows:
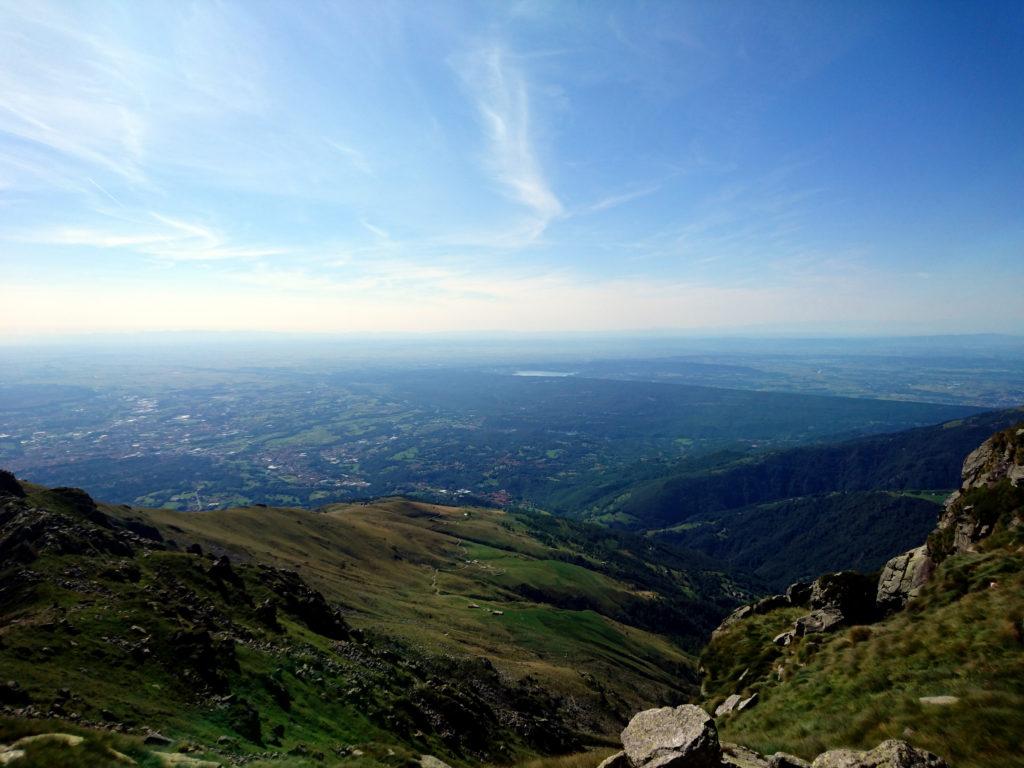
(197, 438)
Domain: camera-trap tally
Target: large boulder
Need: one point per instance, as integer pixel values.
(888, 754)
(903, 578)
(821, 620)
(679, 737)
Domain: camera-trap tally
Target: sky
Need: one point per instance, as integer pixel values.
(366, 167)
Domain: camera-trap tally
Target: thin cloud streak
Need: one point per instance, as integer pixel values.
(177, 241)
(502, 98)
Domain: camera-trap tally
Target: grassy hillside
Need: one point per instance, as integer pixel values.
(923, 458)
(472, 634)
(796, 539)
(413, 569)
(963, 637)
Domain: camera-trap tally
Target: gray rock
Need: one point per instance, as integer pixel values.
(735, 756)
(786, 760)
(429, 761)
(728, 705)
(618, 760)
(784, 638)
(888, 754)
(156, 739)
(681, 737)
(821, 620)
(748, 702)
(903, 577)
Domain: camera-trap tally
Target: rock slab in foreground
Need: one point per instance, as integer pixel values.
(888, 754)
(679, 737)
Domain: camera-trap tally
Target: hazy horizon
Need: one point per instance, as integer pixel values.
(668, 168)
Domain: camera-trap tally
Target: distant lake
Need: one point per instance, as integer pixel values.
(559, 374)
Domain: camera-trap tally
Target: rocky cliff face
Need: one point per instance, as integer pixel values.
(967, 519)
(999, 461)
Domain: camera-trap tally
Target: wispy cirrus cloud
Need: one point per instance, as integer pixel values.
(614, 201)
(502, 98)
(83, 106)
(353, 155)
(157, 236)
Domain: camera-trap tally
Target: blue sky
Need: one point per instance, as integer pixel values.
(454, 166)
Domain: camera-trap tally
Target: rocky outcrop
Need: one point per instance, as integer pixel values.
(1000, 459)
(888, 754)
(74, 527)
(836, 599)
(679, 737)
(303, 602)
(903, 577)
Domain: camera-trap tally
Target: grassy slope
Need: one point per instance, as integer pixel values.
(565, 651)
(961, 637)
(412, 570)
